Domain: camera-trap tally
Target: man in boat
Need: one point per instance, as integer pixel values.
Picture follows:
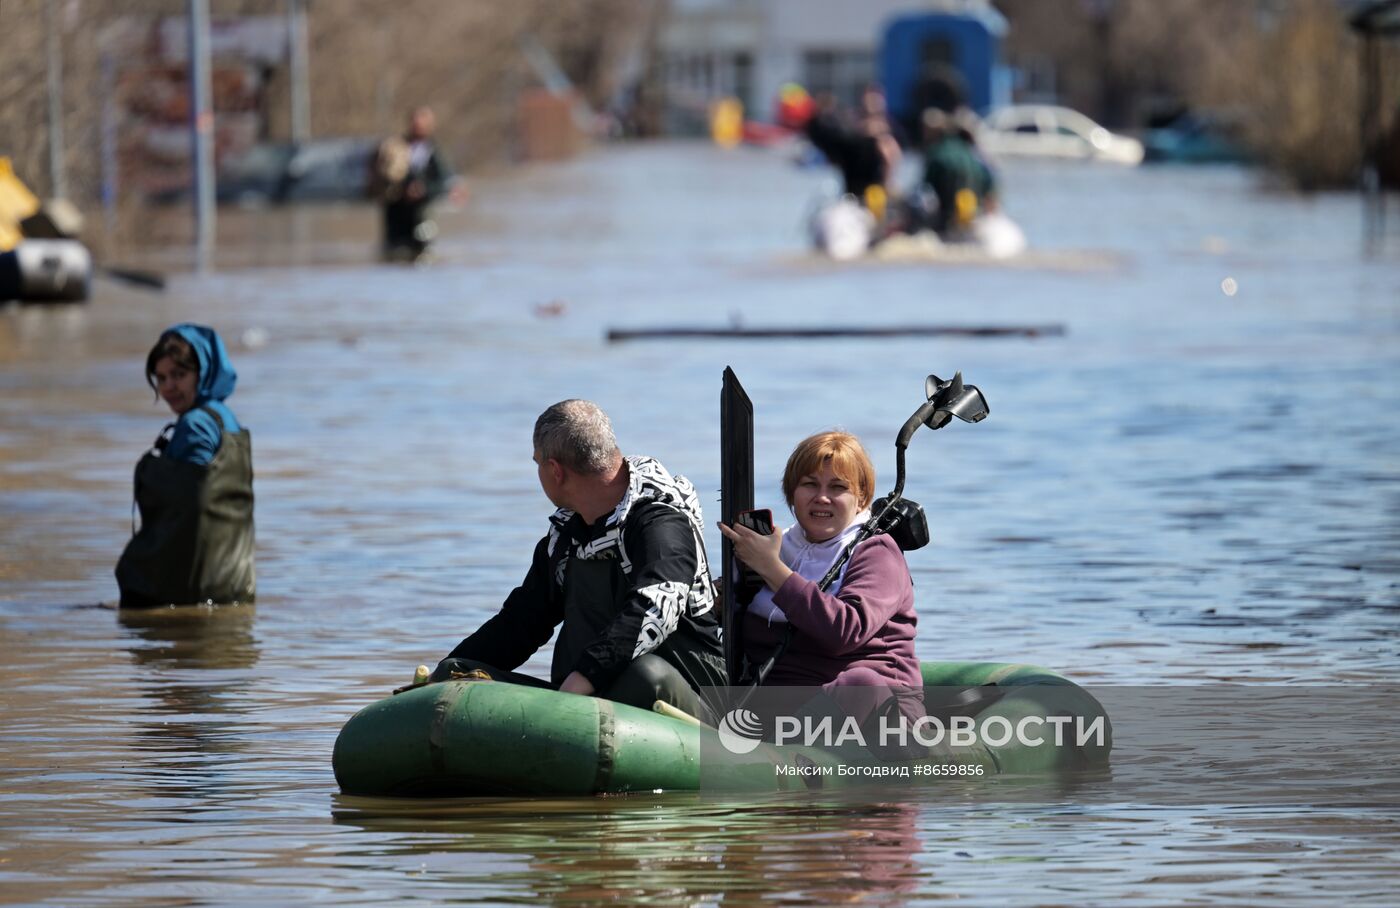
(622, 573)
(955, 173)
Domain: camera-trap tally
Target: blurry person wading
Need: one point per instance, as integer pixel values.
(407, 175)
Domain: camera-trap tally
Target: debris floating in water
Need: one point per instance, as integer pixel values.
(616, 335)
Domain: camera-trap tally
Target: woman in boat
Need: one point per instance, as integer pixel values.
(860, 631)
(194, 487)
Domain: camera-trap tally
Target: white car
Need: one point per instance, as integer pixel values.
(1042, 130)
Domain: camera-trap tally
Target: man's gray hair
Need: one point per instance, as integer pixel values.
(579, 435)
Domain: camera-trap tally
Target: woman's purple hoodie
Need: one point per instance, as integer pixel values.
(862, 635)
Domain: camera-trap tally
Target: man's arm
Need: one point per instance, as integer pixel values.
(661, 546)
(524, 624)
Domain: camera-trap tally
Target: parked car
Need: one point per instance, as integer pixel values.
(1195, 138)
(275, 173)
(322, 170)
(1042, 130)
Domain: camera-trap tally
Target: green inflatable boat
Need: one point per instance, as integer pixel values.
(482, 737)
(467, 738)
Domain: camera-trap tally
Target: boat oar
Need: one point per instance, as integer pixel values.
(420, 677)
(675, 712)
(152, 280)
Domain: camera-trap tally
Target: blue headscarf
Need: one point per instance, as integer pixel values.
(197, 437)
(216, 374)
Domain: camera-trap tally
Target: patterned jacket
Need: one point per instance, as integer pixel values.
(660, 600)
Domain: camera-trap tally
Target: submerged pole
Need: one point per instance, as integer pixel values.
(1376, 143)
(1370, 183)
(109, 145)
(298, 56)
(202, 133)
(58, 184)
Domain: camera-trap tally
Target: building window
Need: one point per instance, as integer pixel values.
(842, 73)
(743, 79)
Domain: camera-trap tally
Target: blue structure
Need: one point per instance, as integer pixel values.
(943, 60)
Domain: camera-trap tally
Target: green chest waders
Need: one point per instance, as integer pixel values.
(195, 543)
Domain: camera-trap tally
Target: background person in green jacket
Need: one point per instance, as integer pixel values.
(955, 173)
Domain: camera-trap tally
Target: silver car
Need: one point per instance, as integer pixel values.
(1043, 130)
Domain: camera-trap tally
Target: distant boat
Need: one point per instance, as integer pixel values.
(845, 230)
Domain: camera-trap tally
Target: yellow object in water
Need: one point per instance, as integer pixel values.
(965, 205)
(16, 204)
(727, 122)
(876, 200)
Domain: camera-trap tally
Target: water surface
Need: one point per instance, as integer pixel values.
(1187, 487)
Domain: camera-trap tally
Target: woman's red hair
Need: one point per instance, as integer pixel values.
(848, 460)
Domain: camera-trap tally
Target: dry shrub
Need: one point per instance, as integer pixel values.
(1285, 72)
(1304, 94)
(371, 61)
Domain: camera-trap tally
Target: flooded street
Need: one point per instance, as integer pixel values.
(1198, 482)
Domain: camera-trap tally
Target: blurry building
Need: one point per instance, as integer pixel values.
(145, 95)
(748, 49)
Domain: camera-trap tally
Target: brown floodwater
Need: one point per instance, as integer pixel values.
(1196, 484)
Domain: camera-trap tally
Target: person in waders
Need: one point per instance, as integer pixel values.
(622, 573)
(409, 173)
(865, 152)
(194, 487)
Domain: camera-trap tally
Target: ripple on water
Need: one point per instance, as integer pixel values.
(1164, 495)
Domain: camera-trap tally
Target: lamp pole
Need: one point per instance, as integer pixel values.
(297, 51)
(202, 133)
(58, 185)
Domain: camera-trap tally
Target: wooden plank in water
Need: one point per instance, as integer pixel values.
(617, 335)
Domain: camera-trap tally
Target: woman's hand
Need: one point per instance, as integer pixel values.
(760, 552)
